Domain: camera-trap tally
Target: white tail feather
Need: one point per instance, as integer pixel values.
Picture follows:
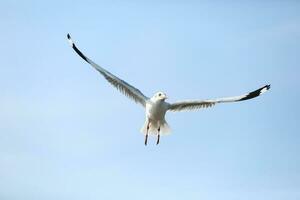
(154, 126)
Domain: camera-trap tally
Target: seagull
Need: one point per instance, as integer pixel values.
(157, 106)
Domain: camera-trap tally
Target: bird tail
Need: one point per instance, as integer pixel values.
(154, 126)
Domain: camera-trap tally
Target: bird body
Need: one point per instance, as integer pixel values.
(156, 109)
(156, 106)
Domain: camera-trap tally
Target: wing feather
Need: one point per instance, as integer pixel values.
(124, 87)
(192, 105)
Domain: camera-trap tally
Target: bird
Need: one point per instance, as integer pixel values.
(156, 107)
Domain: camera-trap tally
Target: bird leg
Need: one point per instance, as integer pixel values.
(158, 136)
(146, 136)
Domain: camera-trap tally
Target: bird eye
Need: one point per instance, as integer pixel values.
(159, 94)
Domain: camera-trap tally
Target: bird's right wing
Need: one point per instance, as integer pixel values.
(191, 105)
(121, 85)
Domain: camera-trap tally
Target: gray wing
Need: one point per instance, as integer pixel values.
(121, 85)
(191, 105)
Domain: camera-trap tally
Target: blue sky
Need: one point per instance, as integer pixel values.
(65, 133)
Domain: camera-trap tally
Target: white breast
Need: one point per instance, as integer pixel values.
(156, 110)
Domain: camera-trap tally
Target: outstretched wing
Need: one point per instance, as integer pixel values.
(121, 85)
(191, 105)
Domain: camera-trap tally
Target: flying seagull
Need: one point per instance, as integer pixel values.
(156, 106)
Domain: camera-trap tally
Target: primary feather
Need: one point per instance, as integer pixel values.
(191, 105)
(121, 85)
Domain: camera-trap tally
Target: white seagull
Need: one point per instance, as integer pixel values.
(156, 106)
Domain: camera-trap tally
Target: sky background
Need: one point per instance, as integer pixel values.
(65, 133)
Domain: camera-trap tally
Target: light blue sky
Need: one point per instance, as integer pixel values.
(65, 133)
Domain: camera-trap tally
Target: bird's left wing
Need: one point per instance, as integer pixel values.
(121, 85)
(191, 105)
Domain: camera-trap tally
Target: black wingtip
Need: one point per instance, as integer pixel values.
(256, 93)
(76, 49)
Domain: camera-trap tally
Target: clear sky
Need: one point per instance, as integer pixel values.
(65, 133)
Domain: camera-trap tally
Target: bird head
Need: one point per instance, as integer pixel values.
(159, 96)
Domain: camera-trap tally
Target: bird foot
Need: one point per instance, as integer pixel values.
(158, 137)
(146, 140)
